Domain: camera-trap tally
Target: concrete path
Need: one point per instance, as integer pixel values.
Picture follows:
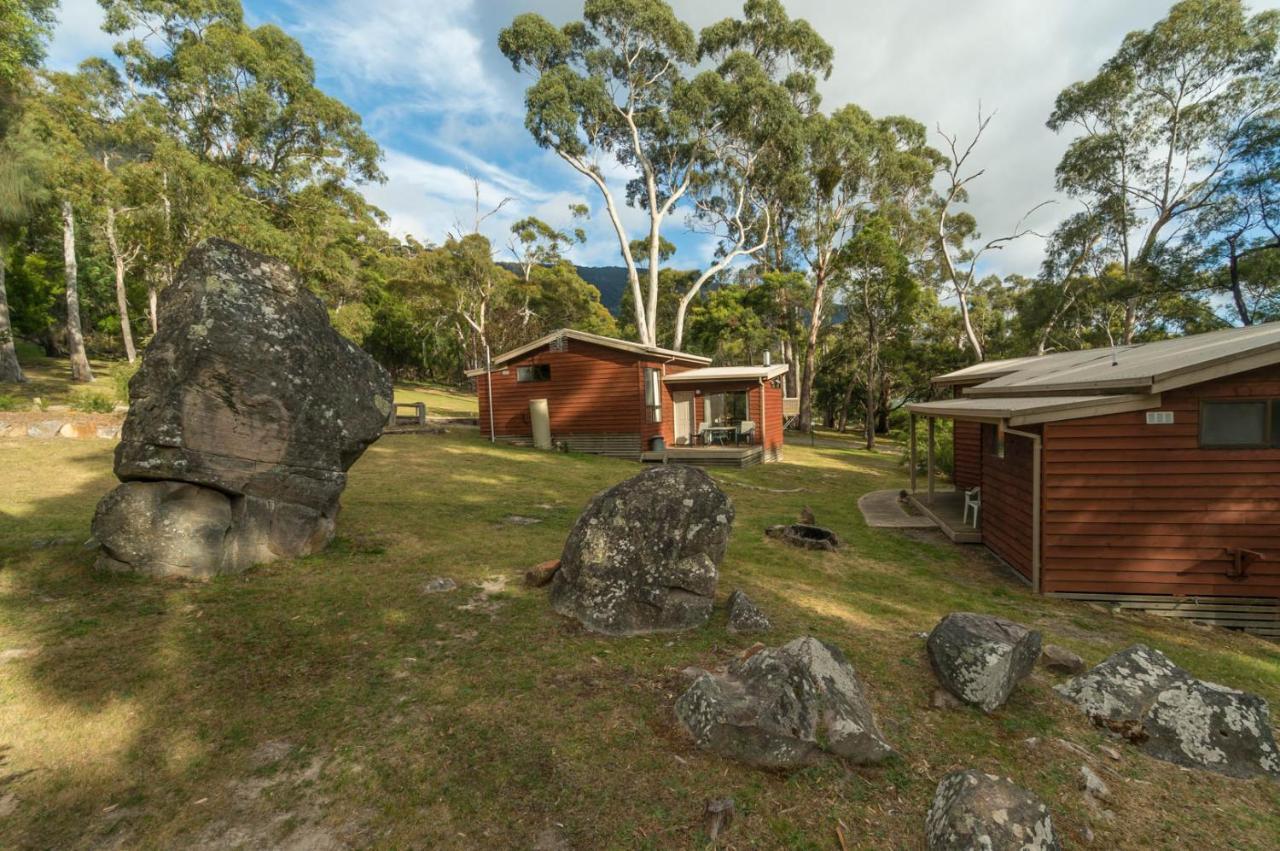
(881, 510)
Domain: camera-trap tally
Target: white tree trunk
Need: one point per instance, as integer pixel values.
(122, 295)
(10, 369)
(75, 337)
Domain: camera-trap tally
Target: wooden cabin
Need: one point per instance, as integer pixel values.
(614, 397)
(1146, 476)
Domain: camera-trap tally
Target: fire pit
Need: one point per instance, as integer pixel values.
(805, 536)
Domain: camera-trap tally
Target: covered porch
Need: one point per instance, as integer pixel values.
(943, 504)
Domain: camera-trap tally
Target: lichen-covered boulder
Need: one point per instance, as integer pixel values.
(745, 615)
(246, 392)
(973, 811)
(784, 707)
(644, 555)
(981, 658)
(1142, 695)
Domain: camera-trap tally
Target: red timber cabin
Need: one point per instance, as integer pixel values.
(595, 394)
(1146, 476)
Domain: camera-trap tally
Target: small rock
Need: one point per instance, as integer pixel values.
(1032, 742)
(972, 810)
(717, 817)
(45, 428)
(1060, 660)
(785, 707)
(1110, 752)
(691, 673)
(438, 585)
(943, 699)
(1088, 834)
(981, 658)
(1093, 785)
(1142, 695)
(744, 615)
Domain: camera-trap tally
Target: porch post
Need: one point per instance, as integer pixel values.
(913, 453)
(929, 472)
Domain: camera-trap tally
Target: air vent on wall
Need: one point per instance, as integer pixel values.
(1159, 417)
(559, 344)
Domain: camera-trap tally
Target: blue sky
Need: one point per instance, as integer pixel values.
(438, 96)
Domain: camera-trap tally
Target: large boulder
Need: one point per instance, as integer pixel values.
(981, 658)
(250, 399)
(784, 707)
(745, 615)
(973, 811)
(643, 557)
(1142, 695)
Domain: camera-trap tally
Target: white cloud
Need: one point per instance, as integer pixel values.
(79, 35)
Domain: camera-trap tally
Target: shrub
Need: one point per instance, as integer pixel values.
(943, 448)
(120, 375)
(11, 403)
(93, 403)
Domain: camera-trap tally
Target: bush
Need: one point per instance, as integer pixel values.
(11, 403)
(120, 375)
(943, 448)
(93, 403)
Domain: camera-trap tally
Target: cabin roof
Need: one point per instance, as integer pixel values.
(1028, 410)
(594, 339)
(726, 373)
(1139, 368)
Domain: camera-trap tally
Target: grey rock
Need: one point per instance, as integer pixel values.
(170, 528)
(1142, 695)
(439, 584)
(746, 616)
(1093, 785)
(943, 699)
(1060, 660)
(44, 428)
(644, 555)
(784, 707)
(249, 395)
(981, 658)
(972, 810)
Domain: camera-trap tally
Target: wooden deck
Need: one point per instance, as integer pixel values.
(707, 456)
(947, 511)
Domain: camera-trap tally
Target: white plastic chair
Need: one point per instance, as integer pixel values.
(972, 499)
(747, 430)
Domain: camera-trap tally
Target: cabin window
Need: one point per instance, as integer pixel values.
(725, 409)
(1238, 425)
(537, 372)
(653, 394)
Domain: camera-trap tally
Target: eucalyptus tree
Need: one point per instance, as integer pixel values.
(851, 164)
(22, 191)
(25, 27)
(1163, 126)
(880, 300)
(535, 244)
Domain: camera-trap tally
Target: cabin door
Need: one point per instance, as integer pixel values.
(682, 422)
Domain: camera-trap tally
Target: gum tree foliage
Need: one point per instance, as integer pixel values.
(1164, 128)
(620, 88)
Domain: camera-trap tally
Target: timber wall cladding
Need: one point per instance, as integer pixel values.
(1142, 509)
(592, 389)
(966, 445)
(1006, 498)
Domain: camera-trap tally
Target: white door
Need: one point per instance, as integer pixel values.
(682, 423)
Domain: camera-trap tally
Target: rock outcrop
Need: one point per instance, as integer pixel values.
(981, 658)
(244, 417)
(972, 810)
(644, 555)
(1142, 695)
(745, 615)
(784, 707)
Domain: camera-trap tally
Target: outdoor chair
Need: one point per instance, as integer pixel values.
(746, 429)
(972, 499)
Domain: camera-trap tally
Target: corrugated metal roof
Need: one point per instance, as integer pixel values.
(726, 373)
(595, 339)
(1140, 368)
(1027, 410)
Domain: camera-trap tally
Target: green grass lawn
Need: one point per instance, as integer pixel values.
(441, 401)
(328, 702)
